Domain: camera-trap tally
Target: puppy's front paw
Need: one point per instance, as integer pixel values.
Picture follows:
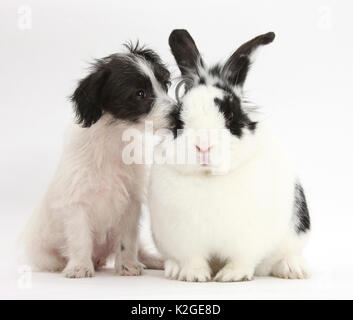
(100, 263)
(195, 274)
(232, 274)
(79, 271)
(129, 269)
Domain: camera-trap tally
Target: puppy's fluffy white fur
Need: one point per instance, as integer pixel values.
(92, 206)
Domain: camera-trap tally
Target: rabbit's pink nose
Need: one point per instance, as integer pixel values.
(203, 149)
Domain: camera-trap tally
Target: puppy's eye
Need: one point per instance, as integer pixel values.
(229, 119)
(141, 94)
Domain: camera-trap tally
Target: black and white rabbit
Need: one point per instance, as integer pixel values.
(247, 208)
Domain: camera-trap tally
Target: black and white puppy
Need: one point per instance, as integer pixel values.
(92, 206)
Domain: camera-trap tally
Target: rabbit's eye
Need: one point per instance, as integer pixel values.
(141, 94)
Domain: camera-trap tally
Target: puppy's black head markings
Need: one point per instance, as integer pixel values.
(119, 86)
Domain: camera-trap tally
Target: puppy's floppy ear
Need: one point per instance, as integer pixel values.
(184, 51)
(237, 66)
(87, 97)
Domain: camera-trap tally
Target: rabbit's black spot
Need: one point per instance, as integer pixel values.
(252, 126)
(224, 87)
(216, 71)
(202, 81)
(177, 125)
(301, 211)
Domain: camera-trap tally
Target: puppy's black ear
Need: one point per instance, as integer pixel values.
(87, 97)
(237, 66)
(184, 51)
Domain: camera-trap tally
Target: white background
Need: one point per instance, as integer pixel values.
(302, 80)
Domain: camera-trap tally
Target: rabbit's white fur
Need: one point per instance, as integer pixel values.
(245, 212)
(244, 216)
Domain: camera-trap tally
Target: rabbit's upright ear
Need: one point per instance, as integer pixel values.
(238, 64)
(184, 51)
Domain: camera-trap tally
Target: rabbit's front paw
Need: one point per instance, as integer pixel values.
(290, 268)
(195, 274)
(171, 269)
(231, 273)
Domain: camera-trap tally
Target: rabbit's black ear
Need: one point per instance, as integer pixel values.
(237, 66)
(87, 98)
(184, 51)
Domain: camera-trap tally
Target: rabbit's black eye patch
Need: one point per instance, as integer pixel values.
(235, 118)
(176, 123)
